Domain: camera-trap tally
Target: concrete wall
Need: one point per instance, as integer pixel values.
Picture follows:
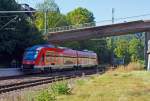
(147, 50)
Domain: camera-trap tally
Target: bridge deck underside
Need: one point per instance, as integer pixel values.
(100, 31)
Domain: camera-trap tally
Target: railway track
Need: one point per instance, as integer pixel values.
(22, 85)
(18, 86)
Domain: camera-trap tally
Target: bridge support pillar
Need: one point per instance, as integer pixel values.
(147, 50)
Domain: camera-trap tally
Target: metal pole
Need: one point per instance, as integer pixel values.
(45, 15)
(113, 16)
(145, 51)
(112, 38)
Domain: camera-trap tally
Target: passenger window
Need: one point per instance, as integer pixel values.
(50, 57)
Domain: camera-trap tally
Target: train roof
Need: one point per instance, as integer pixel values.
(88, 51)
(63, 48)
(38, 47)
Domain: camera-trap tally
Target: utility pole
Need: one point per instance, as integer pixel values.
(112, 38)
(45, 21)
(113, 15)
(45, 18)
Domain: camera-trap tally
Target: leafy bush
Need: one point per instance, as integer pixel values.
(135, 66)
(45, 96)
(61, 88)
(142, 62)
(131, 67)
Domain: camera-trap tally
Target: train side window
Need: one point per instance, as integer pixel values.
(50, 56)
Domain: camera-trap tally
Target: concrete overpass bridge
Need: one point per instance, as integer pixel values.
(91, 31)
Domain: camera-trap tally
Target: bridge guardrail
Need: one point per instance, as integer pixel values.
(93, 24)
(72, 27)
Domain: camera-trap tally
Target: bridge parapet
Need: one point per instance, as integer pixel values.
(72, 27)
(88, 25)
(81, 26)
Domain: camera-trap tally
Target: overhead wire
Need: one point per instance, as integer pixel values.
(8, 16)
(122, 18)
(116, 19)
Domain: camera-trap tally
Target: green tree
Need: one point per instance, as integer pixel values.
(121, 49)
(136, 50)
(54, 19)
(8, 5)
(80, 16)
(99, 46)
(17, 35)
(48, 5)
(53, 15)
(72, 44)
(128, 46)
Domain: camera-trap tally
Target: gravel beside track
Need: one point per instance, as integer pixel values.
(34, 80)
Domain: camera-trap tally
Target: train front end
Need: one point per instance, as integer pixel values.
(34, 57)
(29, 58)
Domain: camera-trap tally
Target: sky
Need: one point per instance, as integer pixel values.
(102, 9)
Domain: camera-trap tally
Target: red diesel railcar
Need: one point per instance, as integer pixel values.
(47, 57)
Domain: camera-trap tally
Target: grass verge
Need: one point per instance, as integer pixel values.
(126, 83)
(132, 86)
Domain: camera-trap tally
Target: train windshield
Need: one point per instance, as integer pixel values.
(30, 55)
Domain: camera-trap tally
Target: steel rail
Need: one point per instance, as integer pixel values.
(18, 86)
(22, 85)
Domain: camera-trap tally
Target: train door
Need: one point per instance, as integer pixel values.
(48, 60)
(60, 60)
(77, 58)
(42, 60)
